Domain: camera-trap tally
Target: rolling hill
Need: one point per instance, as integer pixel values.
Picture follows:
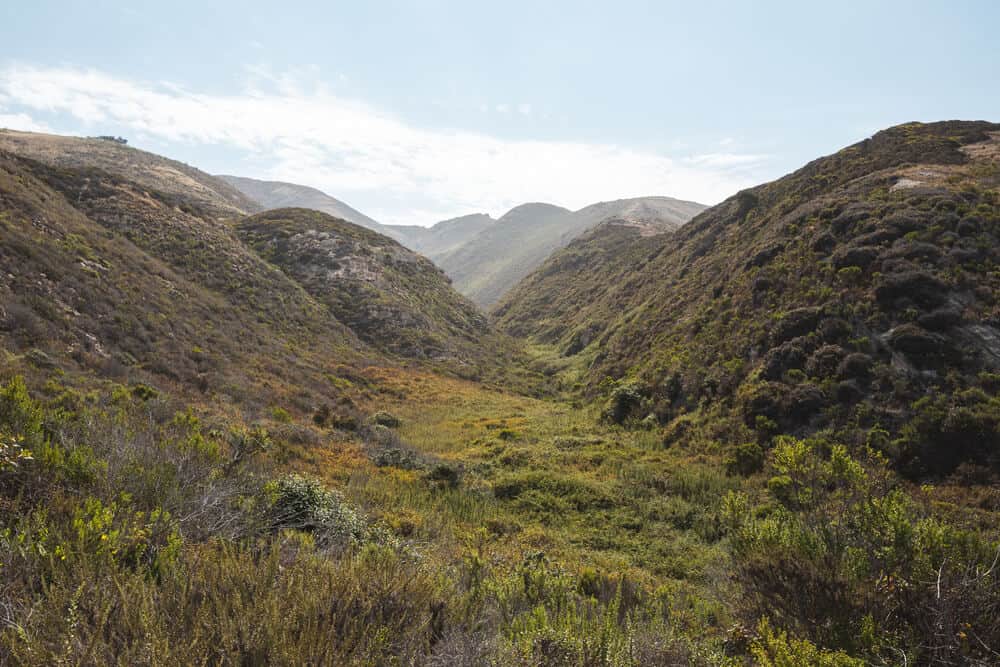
(767, 436)
(389, 296)
(857, 293)
(147, 169)
(278, 194)
(482, 256)
(108, 277)
(491, 262)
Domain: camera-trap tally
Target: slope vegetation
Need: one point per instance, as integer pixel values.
(391, 297)
(792, 463)
(857, 294)
(563, 302)
(107, 278)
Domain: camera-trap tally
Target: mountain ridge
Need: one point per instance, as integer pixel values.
(149, 169)
(492, 262)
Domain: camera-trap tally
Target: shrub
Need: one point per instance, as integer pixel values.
(383, 418)
(844, 545)
(625, 402)
(303, 503)
(746, 458)
(775, 649)
(444, 474)
(19, 414)
(946, 430)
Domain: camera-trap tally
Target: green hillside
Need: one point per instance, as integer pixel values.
(767, 436)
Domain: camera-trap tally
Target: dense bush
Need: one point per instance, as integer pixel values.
(849, 560)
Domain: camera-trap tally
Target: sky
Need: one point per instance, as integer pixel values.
(418, 111)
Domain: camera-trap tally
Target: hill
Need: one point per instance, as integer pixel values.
(494, 260)
(856, 294)
(391, 297)
(445, 236)
(107, 277)
(147, 169)
(561, 303)
(429, 241)
(483, 257)
(277, 194)
(776, 445)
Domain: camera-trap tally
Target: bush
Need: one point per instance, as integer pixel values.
(625, 402)
(746, 459)
(303, 503)
(844, 544)
(383, 418)
(444, 474)
(947, 430)
(775, 649)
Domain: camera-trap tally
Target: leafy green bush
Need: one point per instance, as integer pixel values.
(303, 503)
(845, 543)
(626, 400)
(775, 649)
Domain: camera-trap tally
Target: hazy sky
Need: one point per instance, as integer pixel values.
(417, 111)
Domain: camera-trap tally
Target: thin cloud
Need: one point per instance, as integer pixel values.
(393, 170)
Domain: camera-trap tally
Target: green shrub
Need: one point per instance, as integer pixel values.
(746, 459)
(303, 503)
(626, 401)
(20, 416)
(383, 418)
(775, 649)
(444, 474)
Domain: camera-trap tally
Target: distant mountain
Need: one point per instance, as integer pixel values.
(494, 260)
(277, 194)
(429, 241)
(448, 235)
(482, 256)
(166, 176)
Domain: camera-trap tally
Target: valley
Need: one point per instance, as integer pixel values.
(237, 431)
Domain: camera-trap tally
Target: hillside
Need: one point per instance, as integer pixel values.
(483, 257)
(391, 297)
(561, 303)
(494, 260)
(277, 194)
(445, 236)
(857, 293)
(284, 439)
(108, 278)
(147, 169)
